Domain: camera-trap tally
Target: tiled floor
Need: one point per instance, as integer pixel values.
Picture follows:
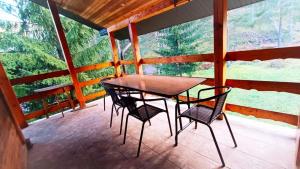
(83, 140)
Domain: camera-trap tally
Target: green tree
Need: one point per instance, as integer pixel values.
(178, 40)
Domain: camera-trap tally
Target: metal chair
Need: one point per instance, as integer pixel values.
(117, 101)
(143, 113)
(206, 115)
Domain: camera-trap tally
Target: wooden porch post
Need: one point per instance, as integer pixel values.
(12, 101)
(136, 48)
(220, 42)
(115, 55)
(64, 46)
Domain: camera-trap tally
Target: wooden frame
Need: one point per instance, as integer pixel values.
(64, 46)
(115, 55)
(136, 48)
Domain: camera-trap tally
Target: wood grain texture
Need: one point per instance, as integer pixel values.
(167, 86)
(11, 98)
(126, 62)
(51, 108)
(93, 81)
(94, 95)
(30, 79)
(136, 48)
(65, 48)
(115, 55)
(116, 14)
(265, 54)
(41, 95)
(179, 59)
(94, 67)
(13, 152)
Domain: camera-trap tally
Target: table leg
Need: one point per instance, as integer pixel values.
(177, 110)
(45, 105)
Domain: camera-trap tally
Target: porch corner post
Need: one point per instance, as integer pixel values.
(12, 101)
(136, 48)
(64, 46)
(220, 42)
(115, 55)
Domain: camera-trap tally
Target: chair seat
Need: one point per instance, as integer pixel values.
(142, 114)
(199, 113)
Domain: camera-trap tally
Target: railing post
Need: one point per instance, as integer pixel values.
(12, 101)
(220, 42)
(64, 46)
(136, 47)
(115, 55)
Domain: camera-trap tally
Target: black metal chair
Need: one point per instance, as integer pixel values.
(143, 113)
(115, 94)
(206, 115)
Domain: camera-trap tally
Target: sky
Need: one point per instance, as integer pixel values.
(5, 16)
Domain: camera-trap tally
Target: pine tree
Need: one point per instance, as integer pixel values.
(178, 40)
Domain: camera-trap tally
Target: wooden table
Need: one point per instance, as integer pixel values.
(165, 86)
(52, 89)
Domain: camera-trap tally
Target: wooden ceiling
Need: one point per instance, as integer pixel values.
(115, 14)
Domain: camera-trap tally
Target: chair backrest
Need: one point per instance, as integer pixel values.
(220, 100)
(131, 105)
(110, 90)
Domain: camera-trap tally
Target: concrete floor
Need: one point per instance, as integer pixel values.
(83, 140)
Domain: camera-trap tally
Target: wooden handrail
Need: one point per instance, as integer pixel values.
(40, 95)
(94, 95)
(93, 81)
(264, 54)
(179, 59)
(126, 62)
(33, 78)
(94, 67)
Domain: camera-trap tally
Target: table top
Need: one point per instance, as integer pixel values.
(167, 86)
(54, 87)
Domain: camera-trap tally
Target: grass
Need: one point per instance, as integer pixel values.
(276, 70)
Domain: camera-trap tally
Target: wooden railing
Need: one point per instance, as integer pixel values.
(53, 108)
(249, 55)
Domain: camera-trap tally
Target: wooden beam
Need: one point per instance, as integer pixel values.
(126, 62)
(95, 95)
(220, 43)
(115, 52)
(52, 108)
(136, 48)
(290, 87)
(33, 78)
(179, 59)
(93, 81)
(148, 12)
(64, 46)
(265, 54)
(94, 67)
(259, 113)
(11, 99)
(41, 95)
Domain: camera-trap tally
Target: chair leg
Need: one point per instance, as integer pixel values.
(195, 125)
(122, 120)
(111, 116)
(104, 102)
(216, 143)
(169, 123)
(141, 138)
(125, 128)
(176, 127)
(228, 125)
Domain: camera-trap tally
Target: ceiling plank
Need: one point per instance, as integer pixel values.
(146, 13)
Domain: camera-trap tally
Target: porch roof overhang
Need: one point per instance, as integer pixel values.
(149, 16)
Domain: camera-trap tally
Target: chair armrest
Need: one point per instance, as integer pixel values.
(211, 88)
(198, 100)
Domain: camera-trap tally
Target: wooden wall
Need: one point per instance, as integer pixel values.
(13, 152)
